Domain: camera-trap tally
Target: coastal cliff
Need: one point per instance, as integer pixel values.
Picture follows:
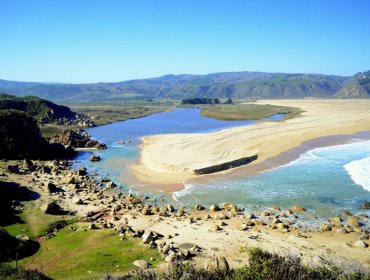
(20, 137)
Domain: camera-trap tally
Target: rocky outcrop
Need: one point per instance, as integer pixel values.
(44, 111)
(20, 138)
(356, 87)
(51, 208)
(77, 139)
(94, 158)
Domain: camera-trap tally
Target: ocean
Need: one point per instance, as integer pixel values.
(324, 180)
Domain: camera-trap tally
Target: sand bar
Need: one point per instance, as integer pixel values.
(173, 158)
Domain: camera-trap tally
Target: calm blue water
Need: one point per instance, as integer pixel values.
(183, 120)
(117, 157)
(324, 180)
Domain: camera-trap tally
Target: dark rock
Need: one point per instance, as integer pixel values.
(170, 208)
(148, 237)
(366, 205)
(51, 208)
(214, 208)
(199, 207)
(111, 185)
(94, 158)
(45, 169)
(28, 164)
(50, 188)
(81, 171)
(90, 214)
(20, 138)
(12, 168)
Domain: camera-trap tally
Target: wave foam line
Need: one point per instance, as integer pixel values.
(359, 170)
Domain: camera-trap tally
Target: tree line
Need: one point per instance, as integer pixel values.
(204, 100)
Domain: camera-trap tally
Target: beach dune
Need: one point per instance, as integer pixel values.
(174, 158)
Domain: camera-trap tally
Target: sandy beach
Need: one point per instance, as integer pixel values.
(224, 231)
(170, 159)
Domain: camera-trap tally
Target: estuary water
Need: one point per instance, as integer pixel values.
(324, 180)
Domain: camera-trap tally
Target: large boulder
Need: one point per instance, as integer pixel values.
(50, 188)
(28, 164)
(366, 205)
(51, 208)
(94, 158)
(353, 221)
(214, 207)
(142, 264)
(216, 263)
(148, 237)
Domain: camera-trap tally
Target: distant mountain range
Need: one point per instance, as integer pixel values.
(235, 85)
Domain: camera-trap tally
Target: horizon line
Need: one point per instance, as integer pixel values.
(169, 74)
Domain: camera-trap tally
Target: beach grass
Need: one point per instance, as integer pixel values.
(248, 111)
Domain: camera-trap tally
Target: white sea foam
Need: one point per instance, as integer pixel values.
(345, 150)
(187, 190)
(359, 170)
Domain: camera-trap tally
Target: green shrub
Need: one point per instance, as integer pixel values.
(262, 266)
(8, 272)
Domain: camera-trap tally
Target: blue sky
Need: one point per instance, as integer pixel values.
(104, 41)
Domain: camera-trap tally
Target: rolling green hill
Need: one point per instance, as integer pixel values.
(219, 85)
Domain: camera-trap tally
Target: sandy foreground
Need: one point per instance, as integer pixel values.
(216, 234)
(225, 232)
(173, 158)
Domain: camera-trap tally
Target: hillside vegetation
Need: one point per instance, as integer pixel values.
(219, 85)
(43, 111)
(356, 87)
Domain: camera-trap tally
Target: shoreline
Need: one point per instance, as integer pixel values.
(222, 230)
(291, 155)
(172, 159)
(252, 169)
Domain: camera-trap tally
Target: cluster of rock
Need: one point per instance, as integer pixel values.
(81, 120)
(76, 139)
(101, 205)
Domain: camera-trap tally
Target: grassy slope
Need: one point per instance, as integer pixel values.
(248, 111)
(71, 254)
(34, 223)
(88, 254)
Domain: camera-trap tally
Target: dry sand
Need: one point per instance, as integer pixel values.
(315, 248)
(170, 159)
(197, 227)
